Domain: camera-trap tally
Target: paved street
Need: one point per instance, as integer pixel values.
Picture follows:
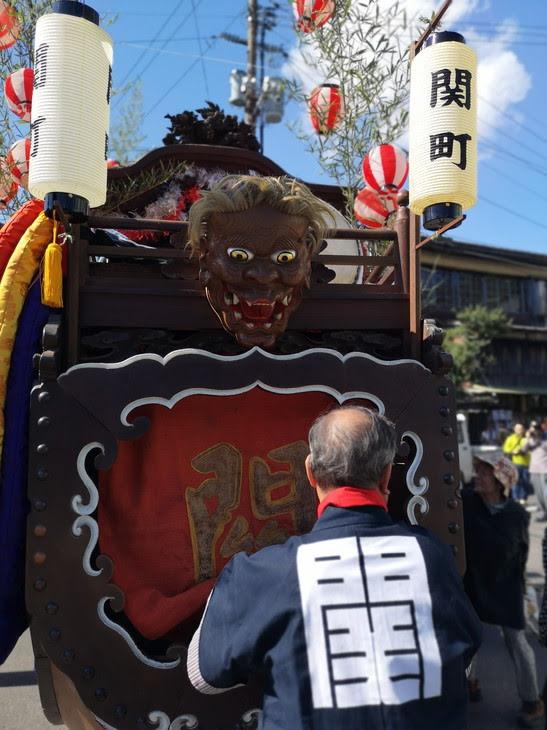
(20, 704)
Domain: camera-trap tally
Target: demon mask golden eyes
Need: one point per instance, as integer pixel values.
(241, 255)
(256, 237)
(284, 257)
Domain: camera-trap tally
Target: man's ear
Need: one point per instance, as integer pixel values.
(309, 472)
(383, 484)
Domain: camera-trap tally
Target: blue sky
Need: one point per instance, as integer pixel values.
(171, 45)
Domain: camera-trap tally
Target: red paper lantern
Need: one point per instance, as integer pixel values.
(369, 209)
(111, 164)
(389, 200)
(8, 187)
(312, 14)
(17, 161)
(326, 106)
(385, 168)
(9, 26)
(18, 92)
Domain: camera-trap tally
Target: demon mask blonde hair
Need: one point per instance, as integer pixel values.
(237, 193)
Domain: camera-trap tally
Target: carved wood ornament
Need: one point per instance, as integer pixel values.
(78, 423)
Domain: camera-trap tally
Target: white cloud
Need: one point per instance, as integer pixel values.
(503, 81)
(458, 10)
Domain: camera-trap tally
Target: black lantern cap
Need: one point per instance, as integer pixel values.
(438, 215)
(74, 207)
(80, 10)
(443, 36)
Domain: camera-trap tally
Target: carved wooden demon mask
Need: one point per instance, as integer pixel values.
(256, 237)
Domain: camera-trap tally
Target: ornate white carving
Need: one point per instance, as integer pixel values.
(77, 504)
(104, 724)
(242, 356)
(182, 722)
(170, 402)
(251, 716)
(185, 722)
(90, 523)
(134, 648)
(162, 720)
(84, 510)
(417, 490)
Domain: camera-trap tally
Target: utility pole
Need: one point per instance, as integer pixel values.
(251, 90)
(259, 21)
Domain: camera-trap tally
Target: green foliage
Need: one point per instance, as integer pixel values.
(360, 49)
(125, 136)
(126, 189)
(20, 55)
(469, 342)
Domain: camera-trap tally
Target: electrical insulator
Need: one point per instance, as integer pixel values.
(272, 101)
(238, 81)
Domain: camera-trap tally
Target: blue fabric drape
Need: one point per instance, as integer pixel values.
(13, 472)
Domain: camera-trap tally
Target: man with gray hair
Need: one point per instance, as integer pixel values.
(361, 623)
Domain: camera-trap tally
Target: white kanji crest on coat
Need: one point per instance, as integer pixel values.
(368, 622)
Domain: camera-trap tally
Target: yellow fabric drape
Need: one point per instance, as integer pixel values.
(23, 265)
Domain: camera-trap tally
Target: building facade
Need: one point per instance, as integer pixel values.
(457, 275)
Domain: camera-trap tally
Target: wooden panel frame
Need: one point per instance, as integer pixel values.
(87, 407)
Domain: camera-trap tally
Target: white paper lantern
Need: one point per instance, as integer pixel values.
(70, 109)
(443, 130)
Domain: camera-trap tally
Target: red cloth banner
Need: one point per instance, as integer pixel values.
(212, 476)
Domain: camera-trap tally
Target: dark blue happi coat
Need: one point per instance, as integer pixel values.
(362, 623)
(13, 473)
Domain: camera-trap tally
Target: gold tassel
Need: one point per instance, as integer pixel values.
(52, 276)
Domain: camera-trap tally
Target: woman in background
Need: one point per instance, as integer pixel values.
(496, 540)
(537, 448)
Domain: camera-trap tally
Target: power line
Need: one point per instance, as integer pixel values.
(199, 56)
(196, 24)
(522, 160)
(514, 119)
(190, 68)
(517, 121)
(498, 24)
(509, 43)
(158, 40)
(145, 52)
(514, 139)
(512, 180)
(512, 212)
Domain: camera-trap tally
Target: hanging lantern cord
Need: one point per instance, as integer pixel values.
(447, 227)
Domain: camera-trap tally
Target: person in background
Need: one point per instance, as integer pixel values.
(496, 542)
(490, 434)
(537, 448)
(542, 621)
(515, 447)
(362, 622)
(503, 433)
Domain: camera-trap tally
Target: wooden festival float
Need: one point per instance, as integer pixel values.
(159, 446)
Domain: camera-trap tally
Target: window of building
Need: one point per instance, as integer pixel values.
(453, 290)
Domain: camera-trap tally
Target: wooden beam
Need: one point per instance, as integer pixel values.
(157, 224)
(447, 227)
(72, 305)
(434, 22)
(415, 309)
